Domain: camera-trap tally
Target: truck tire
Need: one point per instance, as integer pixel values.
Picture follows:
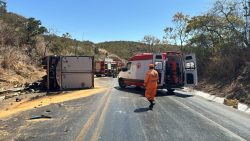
(121, 83)
(171, 91)
(138, 88)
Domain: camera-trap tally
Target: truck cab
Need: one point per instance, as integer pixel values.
(175, 70)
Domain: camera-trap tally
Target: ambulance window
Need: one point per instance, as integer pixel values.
(158, 57)
(189, 57)
(158, 66)
(129, 65)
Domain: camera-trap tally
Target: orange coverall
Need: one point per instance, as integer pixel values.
(151, 84)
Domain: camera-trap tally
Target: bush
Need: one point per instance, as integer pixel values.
(225, 67)
(14, 59)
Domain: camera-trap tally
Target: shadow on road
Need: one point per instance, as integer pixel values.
(141, 110)
(139, 91)
(160, 93)
(131, 90)
(183, 95)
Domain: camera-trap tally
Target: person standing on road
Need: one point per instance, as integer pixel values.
(151, 84)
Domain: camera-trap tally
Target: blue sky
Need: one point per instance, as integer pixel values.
(107, 20)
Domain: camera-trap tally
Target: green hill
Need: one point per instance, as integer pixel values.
(126, 49)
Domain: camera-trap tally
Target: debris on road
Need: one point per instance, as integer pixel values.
(32, 90)
(59, 105)
(2, 98)
(141, 110)
(19, 89)
(12, 95)
(18, 99)
(66, 130)
(230, 102)
(35, 87)
(48, 111)
(40, 117)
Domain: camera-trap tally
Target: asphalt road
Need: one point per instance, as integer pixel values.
(122, 115)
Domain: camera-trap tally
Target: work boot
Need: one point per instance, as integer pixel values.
(151, 106)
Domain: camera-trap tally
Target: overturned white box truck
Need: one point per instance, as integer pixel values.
(175, 70)
(70, 72)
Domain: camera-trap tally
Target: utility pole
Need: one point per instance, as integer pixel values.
(247, 14)
(76, 52)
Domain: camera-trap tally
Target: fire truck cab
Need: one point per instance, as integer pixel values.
(175, 70)
(105, 67)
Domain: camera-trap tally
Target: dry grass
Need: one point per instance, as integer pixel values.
(223, 68)
(237, 87)
(16, 69)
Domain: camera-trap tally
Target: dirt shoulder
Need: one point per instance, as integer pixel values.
(234, 90)
(10, 79)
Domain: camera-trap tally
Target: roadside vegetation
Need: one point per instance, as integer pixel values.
(218, 37)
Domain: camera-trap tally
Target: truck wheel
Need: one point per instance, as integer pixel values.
(138, 88)
(121, 83)
(171, 91)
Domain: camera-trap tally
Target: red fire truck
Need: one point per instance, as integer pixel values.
(105, 67)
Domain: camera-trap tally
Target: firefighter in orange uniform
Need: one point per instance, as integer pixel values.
(150, 83)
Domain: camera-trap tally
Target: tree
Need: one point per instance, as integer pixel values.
(66, 35)
(177, 33)
(232, 17)
(50, 35)
(222, 26)
(96, 50)
(152, 41)
(3, 6)
(33, 29)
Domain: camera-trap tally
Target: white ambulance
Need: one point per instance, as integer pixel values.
(175, 70)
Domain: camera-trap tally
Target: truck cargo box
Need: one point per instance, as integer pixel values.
(70, 72)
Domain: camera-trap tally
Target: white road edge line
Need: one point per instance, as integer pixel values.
(241, 106)
(215, 123)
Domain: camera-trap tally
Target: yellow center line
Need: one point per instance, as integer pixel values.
(91, 119)
(100, 123)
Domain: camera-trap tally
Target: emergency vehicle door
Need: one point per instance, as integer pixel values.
(127, 72)
(190, 70)
(158, 61)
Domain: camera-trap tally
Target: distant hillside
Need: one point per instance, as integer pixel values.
(126, 49)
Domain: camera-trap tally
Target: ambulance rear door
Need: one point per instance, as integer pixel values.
(190, 70)
(158, 60)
